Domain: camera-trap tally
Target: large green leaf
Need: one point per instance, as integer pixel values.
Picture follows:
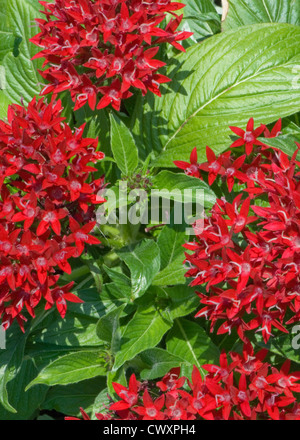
(243, 12)
(144, 331)
(143, 260)
(221, 82)
(7, 43)
(72, 368)
(75, 330)
(10, 364)
(188, 341)
(7, 37)
(68, 399)
(3, 15)
(22, 78)
(4, 103)
(25, 403)
(123, 146)
(44, 354)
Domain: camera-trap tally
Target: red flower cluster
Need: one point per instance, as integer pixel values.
(244, 389)
(46, 206)
(248, 251)
(104, 47)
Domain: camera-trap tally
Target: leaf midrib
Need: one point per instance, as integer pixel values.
(249, 78)
(214, 99)
(188, 343)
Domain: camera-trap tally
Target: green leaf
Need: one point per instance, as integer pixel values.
(286, 143)
(143, 260)
(118, 376)
(285, 345)
(179, 300)
(10, 364)
(123, 146)
(25, 403)
(121, 281)
(287, 140)
(108, 328)
(95, 305)
(159, 362)
(188, 341)
(166, 182)
(101, 403)
(75, 330)
(7, 43)
(68, 399)
(171, 275)
(114, 296)
(8, 39)
(22, 79)
(170, 242)
(244, 12)
(3, 15)
(201, 18)
(92, 263)
(98, 125)
(44, 354)
(223, 81)
(4, 103)
(144, 331)
(72, 368)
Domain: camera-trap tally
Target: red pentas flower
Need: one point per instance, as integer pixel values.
(105, 49)
(190, 168)
(129, 396)
(241, 386)
(151, 409)
(171, 382)
(47, 207)
(248, 137)
(247, 255)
